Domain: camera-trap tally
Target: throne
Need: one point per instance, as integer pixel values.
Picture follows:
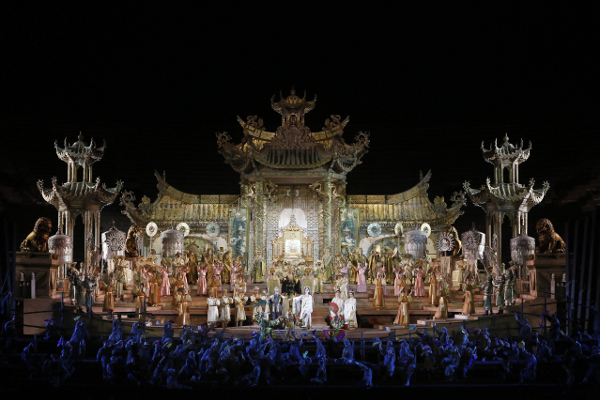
(292, 245)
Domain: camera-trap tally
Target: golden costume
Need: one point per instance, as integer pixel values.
(154, 291)
(183, 305)
(403, 316)
(469, 306)
(442, 312)
(109, 298)
(379, 300)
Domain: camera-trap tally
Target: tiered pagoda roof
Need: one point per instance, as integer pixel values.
(515, 194)
(79, 195)
(293, 146)
(79, 153)
(505, 154)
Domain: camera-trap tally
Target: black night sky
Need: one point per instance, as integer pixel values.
(429, 83)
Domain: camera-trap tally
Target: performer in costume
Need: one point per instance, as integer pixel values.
(361, 286)
(202, 284)
(183, 302)
(350, 311)
(225, 311)
(419, 289)
(499, 284)
(403, 316)
(340, 303)
(240, 312)
(442, 312)
(212, 315)
(306, 309)
(276, 305)
(165, 285)
(258, 273)
(154, 290)
(307, 281)
(378, 299)
(319, 273)
(192, 276)
(487, 289)
(109, 298)
(227, 262)
(433, 287)
(469, 306)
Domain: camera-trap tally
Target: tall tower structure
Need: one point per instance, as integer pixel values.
(80, 197)
(505, 197)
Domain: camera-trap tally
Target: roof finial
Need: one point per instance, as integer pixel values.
(80, 137)
(506, 137)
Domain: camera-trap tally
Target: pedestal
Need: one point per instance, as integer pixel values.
(541, 270)
(45, 269)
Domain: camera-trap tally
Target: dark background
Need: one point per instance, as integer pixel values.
(429, 83)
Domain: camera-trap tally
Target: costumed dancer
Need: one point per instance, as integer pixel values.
(165, 285)
(397, 279)
(276, 305)
(212, 314)
(488, 290)
(201, 290)
(183, 303)
(272, 280)
(419, 289)
(350, 311)
(154, 289)
(225, 310)
(378, 299)
(434, 298)
(403, 316)
(192, 275)
(469, 306)
(240, 312)
(109, 298)
(339, 301)
(306, 309)
(499, 284)
(215, 281)
(442, 312)
(361, 286)
(509, 278)
(240, 285)
(121, 279)
(319, 273)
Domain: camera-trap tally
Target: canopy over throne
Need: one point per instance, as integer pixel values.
(292, 245)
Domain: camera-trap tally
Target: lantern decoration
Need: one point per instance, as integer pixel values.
(473, 243)
(113, 243)
(61, 246)
(172, 242)
(415, 243)
(521, 247)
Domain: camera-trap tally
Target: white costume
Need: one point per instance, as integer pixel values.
(350, 312)
(225, 310)
(240, 312)
(213, 310)
(306, 310)
(340, 303)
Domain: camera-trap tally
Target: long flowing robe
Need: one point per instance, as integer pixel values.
(226, 310)
(419, 289)
(340, 303)
(469, 306)
(403, 316)
(306, 310)
(227, 270)
(212, 315)
(308, 281)
(109, 299)
(183, 302)
(202, 286)
(318, 279)
(442, 312)
(154, 291)
(350, 312)
(397, 280)
(433, 290)
(192, 275)
(361, 286)
(165, 285)
(379, 300)
(240, 312)
(258, 274)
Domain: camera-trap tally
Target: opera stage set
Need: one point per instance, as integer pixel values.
(397, 261)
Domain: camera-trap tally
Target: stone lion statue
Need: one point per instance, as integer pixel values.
(550, 241)
(37, 241)
(131, 244)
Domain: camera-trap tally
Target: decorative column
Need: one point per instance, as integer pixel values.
(259, 216)
(327, 213)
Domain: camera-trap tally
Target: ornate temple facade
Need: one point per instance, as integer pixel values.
(293, 203)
